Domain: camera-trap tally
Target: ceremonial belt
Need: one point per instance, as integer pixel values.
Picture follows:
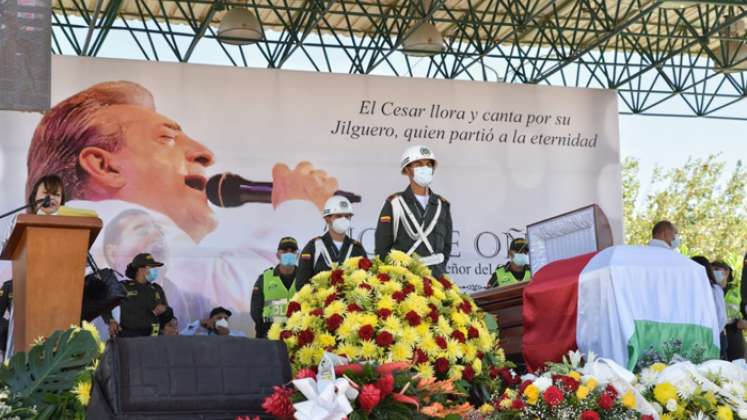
(401, 211)
(321, 249)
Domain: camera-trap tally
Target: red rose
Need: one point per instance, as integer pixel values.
(292, 308)
(445, 283)
(279, 404)
(398, 296)
(384, 339)
(385, 384)
(305, 337)
(442, 365)
(317, 312)
(517, 404)
(366, 332)
(413, 318)
(336, 277)
(369, 397)
(590, 415)
(472, 332)
(606, 401)
(331, 298)
(611, 391)
(468, 373)
(458, 336)
(333, 322)
(553, 396)
(441, 342)
(466, 307)
(354, 308)
(420, 356)
(384, 313)
(364, 263)
(383, 277)
(306, 373)
(285, 334)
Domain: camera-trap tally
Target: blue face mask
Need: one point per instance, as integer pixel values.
(152, 274)
(288, 259)
(520, 259)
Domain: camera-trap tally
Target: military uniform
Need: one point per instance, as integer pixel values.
(136, 317)
(6, 301)
(321, 252)
(272, 292)
(403, 222)
(504, 276)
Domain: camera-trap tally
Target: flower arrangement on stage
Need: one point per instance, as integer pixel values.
(391, 310)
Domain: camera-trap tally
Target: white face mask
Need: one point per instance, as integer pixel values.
(423, 175)
(341, 225)
(676, 242)
(223, 323)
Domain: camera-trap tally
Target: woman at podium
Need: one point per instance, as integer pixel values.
(47, 195)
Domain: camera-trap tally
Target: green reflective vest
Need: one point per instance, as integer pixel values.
(733, 299)
(505, 277)
(276, 296)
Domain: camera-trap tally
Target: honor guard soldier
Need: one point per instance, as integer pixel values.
(516, 269)
(417, 220)
(140, 313)
(335, 246)
(274, 288)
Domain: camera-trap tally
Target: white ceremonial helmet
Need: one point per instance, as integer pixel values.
(337, 204)
(414, 153)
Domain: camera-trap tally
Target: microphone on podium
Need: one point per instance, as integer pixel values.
(231, 190)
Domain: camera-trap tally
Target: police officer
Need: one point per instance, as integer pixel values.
(517, 267)
(145, 303)
(417, 220)
(335, 246)
(274, 288)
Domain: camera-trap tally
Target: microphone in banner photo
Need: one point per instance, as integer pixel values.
(231, 190)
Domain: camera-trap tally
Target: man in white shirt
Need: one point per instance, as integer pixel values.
(665, 235)
(216, 324)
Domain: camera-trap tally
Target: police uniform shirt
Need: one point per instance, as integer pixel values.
(258, 300)
(308, 268)
(439, 238)
(136, 312)
(519, 276)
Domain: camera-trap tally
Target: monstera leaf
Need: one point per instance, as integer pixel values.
(50, 367)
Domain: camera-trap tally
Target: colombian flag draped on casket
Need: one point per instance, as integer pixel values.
(619, 303)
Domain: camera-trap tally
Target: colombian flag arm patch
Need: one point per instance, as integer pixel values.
(305, 256)
(385, 219)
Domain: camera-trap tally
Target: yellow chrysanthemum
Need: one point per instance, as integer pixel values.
(582, 392)
(351, 263)
(326, 340)
(486, 342)
(82, 391)
(336, 307)
(291, 341)
(711, 398)
(390, 287)
(399, 257)
(575, 375)
(425, 370)
(470, 351)
(416, 281)
(368, 350)
(409, 336)
(459, 319)
(531, 393)
(274, 332)
(658, 367)
(505, 404)
(477, 366)
(443, 327)
(350, 326)
(453, 350)
(454, 296)
(350, 351)
(455, 372)
(295, 322)
(87, 326)
(400, 352)
(415, 303)
(369, 319)
(305, 293)
(510, 393)
(357, 277)
(629, 401)
(321, 278)
(393, 323)
(486, 409)
(385, 302)
(664, 392)
(423, 329)
(429, 346)
(724, 413)
(305, 355)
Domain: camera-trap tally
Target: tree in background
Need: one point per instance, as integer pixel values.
(708, 206)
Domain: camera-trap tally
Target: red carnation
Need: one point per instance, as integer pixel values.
(445, 283)
(647, 417)
(458, 336)
(591, 415)
(333, 322)
(420, 356)
(285, 334)
(442, 365)
(611, 390)
(494, 372)
(385, 384)
(293, 307)
(306, 373)
(354, 308)
(279, 404)
(468, 373)
(369, 397)
(317, 312)
(413, 318)
(508, 378)
(565, 382)
(434, 313)
(409, 288)
(473, 332)
(364, 263)
(384, 313)
(331, 298)
(606, 401)
(383, 277)
(466, 307)
(384, 339)
(365, 286)
(553, 396)
(305, 337)
(441, 342)
(336, 277)
(427, 291)
(517, 404)
(366, 332)
(399, 296)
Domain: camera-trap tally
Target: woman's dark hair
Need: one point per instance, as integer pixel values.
(705, 263)
(52, 183)
(724, 266)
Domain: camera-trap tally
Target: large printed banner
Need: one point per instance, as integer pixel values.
(139, 149)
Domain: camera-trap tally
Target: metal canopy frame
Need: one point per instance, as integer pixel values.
(661, 61)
